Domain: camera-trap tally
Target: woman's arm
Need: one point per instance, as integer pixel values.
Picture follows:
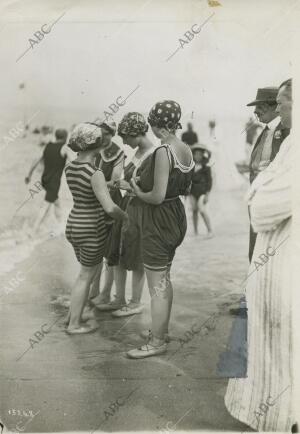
(161, 177)
(102, 194)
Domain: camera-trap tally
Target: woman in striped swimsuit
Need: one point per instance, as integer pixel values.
(86, 228)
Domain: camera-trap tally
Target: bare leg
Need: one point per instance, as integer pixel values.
(161, 302)
(108, 281)
(80, 294)
(204, 214)
(138, 280)
(194, 205)
(95, 285)
(120, 275)
(170, 299)
(104, 295)
(57, 210)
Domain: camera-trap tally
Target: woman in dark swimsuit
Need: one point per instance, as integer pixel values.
(161, 179)
(110, 160)
(53, 160)
(125, 247)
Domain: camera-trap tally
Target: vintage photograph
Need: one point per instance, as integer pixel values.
(148, 240)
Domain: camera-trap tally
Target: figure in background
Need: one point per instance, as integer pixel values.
(110, 160)
(189, 137)
(53, 161)
(212, 126)
(47, 135)
(201, 186)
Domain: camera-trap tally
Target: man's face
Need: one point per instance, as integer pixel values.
(284, 106)
(264, 112)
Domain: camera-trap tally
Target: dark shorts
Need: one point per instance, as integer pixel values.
(162, 229)
(51, 189)
(197, 191)
(51, 196)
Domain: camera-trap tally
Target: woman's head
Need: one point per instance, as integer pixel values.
(86, 137)
(132, 127)
(164, 118)
(109, 129)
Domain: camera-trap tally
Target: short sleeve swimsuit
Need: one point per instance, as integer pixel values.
(54, 165)
(162, 227)
(86, 228)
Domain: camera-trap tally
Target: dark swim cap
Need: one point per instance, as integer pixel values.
(165, 114)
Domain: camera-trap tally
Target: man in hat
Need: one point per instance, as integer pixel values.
(268, 143)
(264, 150)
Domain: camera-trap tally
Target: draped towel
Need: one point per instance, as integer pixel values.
(263, 400)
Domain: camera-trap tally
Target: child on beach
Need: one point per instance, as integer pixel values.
(201, 186)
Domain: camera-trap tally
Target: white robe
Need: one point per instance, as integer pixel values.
(263, 400)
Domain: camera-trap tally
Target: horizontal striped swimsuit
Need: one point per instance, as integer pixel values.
(86, 229)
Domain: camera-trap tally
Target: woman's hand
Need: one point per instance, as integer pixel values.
(111, 185)
(123, 185)
(135, 187)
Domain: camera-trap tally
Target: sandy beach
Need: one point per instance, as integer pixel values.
(71, 382)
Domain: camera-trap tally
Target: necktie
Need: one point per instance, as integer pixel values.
(260, 147)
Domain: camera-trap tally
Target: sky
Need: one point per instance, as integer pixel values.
(100, 50)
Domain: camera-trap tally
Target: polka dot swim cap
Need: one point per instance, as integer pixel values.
(165, 114)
